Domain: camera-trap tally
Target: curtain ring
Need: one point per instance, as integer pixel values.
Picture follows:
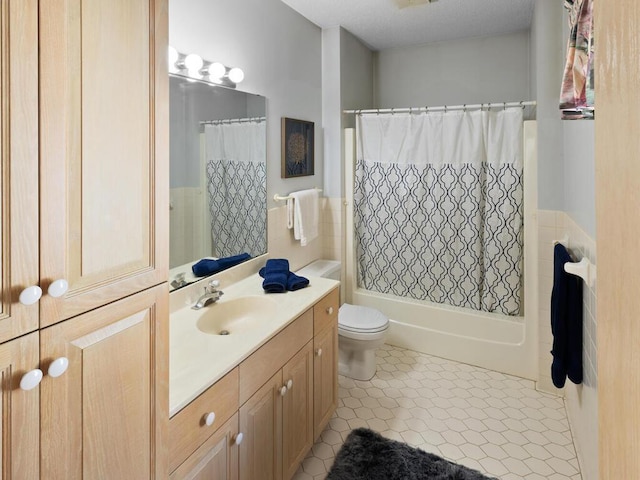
(392, 111)
(445, 109)
(464, 107)
(522, 104)
(377, 111)
(504, 106)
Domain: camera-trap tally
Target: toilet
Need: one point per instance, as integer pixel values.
(361, 330)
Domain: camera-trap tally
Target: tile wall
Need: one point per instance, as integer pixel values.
(581, 400)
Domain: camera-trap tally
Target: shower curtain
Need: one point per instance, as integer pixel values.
(236, 185)
(438, 206)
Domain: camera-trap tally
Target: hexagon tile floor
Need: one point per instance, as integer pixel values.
(495, 423)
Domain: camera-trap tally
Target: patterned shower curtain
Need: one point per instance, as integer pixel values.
(236, 184)
(438, 205)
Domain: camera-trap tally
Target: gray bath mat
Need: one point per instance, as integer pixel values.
(367, 455)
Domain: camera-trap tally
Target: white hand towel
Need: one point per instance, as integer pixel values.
(290, 213)
(306, 209)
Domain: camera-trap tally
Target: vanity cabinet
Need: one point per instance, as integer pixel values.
(325, 363)
(84, 235)
(286, 391)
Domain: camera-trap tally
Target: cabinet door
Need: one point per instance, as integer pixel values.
(325, 378)
(261, 425)
(297, 410)
(215, 459)
(18, 164)
(107, 415)
(104, 147)
(20, 410)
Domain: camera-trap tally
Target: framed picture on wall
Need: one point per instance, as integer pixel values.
(297, 148)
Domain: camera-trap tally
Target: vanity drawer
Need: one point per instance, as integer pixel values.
(270, 358)
(325, 312)
(188, 428)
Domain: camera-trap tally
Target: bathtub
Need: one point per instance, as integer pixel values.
(493, 341)
(488, 340)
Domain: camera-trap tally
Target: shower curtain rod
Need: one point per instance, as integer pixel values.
(444, 108)
(232, 120)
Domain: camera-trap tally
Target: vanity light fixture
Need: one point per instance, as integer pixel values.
(193, 65)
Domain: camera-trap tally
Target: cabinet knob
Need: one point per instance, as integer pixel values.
(237, 439)
(330, 311)
(209, 418)
(58, 367)
(283, 391)
(58, 288)
(319, 352)
(289, 384)
(30, 295)
(31, 379)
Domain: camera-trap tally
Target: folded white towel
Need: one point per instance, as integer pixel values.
(304, 214)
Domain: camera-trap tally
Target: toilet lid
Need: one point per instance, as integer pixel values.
(356, 318)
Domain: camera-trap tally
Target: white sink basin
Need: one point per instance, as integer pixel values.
(236, 316)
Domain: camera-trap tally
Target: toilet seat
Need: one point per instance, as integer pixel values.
(356, 319)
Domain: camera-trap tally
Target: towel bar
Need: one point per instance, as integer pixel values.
(583, 269)
(279, 198)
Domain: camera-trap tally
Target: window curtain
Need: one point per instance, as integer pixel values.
(577, 94)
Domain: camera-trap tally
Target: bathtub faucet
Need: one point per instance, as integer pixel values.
(211, 295)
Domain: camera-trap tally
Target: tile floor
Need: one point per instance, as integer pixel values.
(495, 423)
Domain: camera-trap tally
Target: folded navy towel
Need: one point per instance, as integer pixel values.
(295, 282)
(208, 266)
(275, 274)
(566, 321)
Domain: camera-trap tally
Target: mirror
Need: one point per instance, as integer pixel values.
(218, 187)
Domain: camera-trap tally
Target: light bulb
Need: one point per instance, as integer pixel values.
(194, 63)
(236, 75)
(173, 57)
(217, 70)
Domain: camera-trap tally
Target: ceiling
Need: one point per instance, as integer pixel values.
(383, 24)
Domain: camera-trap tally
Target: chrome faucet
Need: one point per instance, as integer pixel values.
(211, 295)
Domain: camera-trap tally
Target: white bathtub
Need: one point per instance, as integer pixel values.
(488, 340)
(497, 342)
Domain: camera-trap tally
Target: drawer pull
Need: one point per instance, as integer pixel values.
(209, 418)
(289, 384)
(319, 352)
(58, 288)
(58, 367)
(237, 439)
(283, 391)
(330, 311)
(30, 295)
(31, 379)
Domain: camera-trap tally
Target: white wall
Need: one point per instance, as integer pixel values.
(476, 70)
(579, 173)
(548, 65)
(280, 52)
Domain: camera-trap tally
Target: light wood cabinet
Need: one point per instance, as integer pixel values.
(278, 419)
(325, 363)
(104, 151)
(84, 190)
(20, 409)
(325, 378)
(261, 425)
(106, 416)
(19, 164)
(216, 458)
(297, 410)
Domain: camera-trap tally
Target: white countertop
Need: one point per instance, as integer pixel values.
(197, 359)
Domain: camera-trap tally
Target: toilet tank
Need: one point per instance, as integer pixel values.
(321, 268)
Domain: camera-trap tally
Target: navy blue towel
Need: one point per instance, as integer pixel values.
(566, 321)
(275, 274)
(208, 266)
(293, 281)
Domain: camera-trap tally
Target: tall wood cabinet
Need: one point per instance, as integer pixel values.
(84, 241)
